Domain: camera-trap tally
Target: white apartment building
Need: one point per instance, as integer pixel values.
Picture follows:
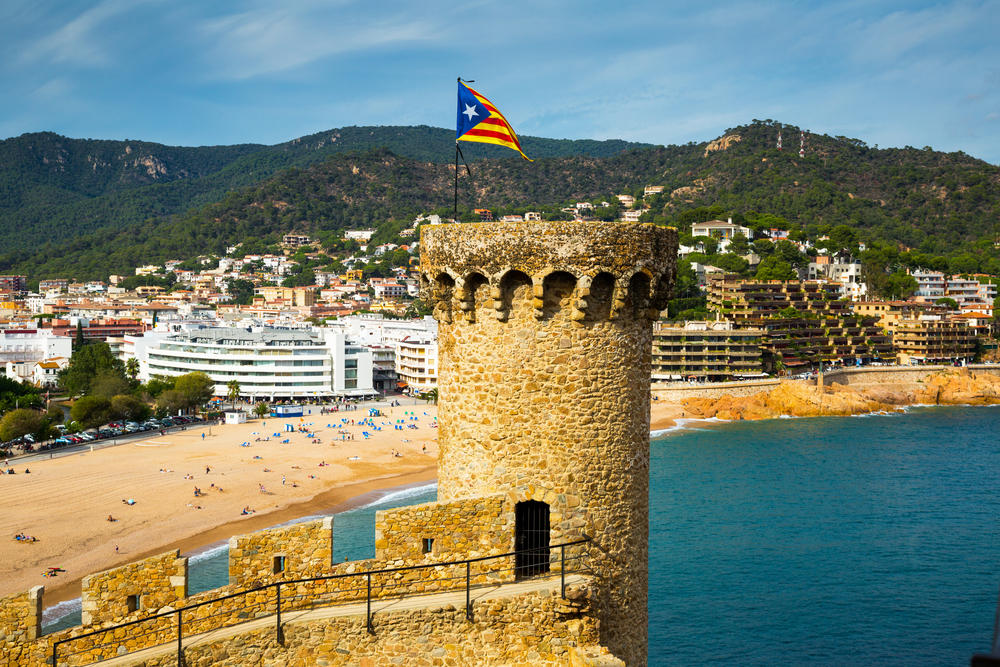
(417, 363)
(930, 284)
(269, 364)
(413, 342)
(844, 271)
(720, 229)
(33, 345)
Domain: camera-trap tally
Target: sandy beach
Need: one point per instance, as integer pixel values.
(65, 503)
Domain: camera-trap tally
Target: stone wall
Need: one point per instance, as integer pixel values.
(459, 529)
(869, 375)
(21, 616)
(675, 392)
(144, 585)
(529, 629)
(545, 338)
(301, 550)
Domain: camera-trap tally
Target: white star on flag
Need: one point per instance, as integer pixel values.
(470, 111)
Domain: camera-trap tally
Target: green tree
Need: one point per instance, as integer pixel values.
(22, 422)
(738, 245)
(84, 366)
(262, 410)
(126, 406)
(132, 368)
(775, 268)
(241, 291)
(233, 391)
(78, 340)
(108, 383)
(947, 301)
(194, 388)
(900, 285)
(91, 411)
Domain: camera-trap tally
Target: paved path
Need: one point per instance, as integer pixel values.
(456, 598)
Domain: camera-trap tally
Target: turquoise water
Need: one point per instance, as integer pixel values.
(834, 541)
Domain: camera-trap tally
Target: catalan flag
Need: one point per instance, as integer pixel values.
(479, 120)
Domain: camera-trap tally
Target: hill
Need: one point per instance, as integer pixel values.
(941, 204)
(54, 189)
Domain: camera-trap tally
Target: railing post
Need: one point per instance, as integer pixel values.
(180, 635)
(371, 630)
(468, 595)
(562, 570)
(277, 607)
(55, 648)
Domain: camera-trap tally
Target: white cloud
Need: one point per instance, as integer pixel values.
(79, 41)
(269, 40)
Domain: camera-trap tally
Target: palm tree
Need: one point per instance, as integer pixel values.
(261, 410)
(431, 395)
(234, 391)
(132, 368)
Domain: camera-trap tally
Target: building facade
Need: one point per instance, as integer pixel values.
(805, 324)
(706, 351)
(269, 364)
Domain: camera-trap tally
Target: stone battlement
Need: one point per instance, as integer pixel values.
(599, 270)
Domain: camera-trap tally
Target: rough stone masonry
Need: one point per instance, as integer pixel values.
(545, 342)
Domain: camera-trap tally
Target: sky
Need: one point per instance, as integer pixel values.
(254, 71)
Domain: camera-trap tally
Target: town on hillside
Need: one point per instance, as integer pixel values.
(340, 318)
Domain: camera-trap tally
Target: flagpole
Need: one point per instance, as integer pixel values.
(455, 214)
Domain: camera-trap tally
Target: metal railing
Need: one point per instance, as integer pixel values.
(565, 561)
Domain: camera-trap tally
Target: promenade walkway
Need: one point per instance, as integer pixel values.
(391, 605)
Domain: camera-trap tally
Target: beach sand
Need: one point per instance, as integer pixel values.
(65, 502)
(664, 415)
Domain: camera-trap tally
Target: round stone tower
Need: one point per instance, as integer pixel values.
(545, 339)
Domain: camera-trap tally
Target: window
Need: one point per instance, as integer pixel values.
(350, 363)
(428, 545)
(133, 603)
(350, 384)
(279, 565)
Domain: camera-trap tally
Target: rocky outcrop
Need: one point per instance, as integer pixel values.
(802, 399)
(722, 143)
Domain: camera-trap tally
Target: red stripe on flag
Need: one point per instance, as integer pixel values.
(476, 132)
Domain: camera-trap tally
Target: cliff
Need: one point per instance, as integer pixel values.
(801, 399)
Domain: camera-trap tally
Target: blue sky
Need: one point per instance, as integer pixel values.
(207, 72)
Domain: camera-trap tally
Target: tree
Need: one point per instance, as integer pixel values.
(900, 285)
(126, 406)
(738, 245)
(775, 268)
(108, 383)
(241, 291)
(431, 395)
(84, 366)
(170, 402)
(78, 340)
(132, 368)
(194, 389)
(22, 422)
(947, 301)
(234, 391)
(262, 410)
(90, 411)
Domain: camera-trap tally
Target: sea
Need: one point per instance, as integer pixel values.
(835, 541)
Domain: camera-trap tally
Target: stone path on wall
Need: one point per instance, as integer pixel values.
(455, 598)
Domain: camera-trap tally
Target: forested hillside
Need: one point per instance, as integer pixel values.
(935, 203)
(55, 189)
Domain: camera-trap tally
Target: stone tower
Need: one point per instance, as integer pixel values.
(545, 343)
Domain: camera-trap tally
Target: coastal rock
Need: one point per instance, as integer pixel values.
(802, 399)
